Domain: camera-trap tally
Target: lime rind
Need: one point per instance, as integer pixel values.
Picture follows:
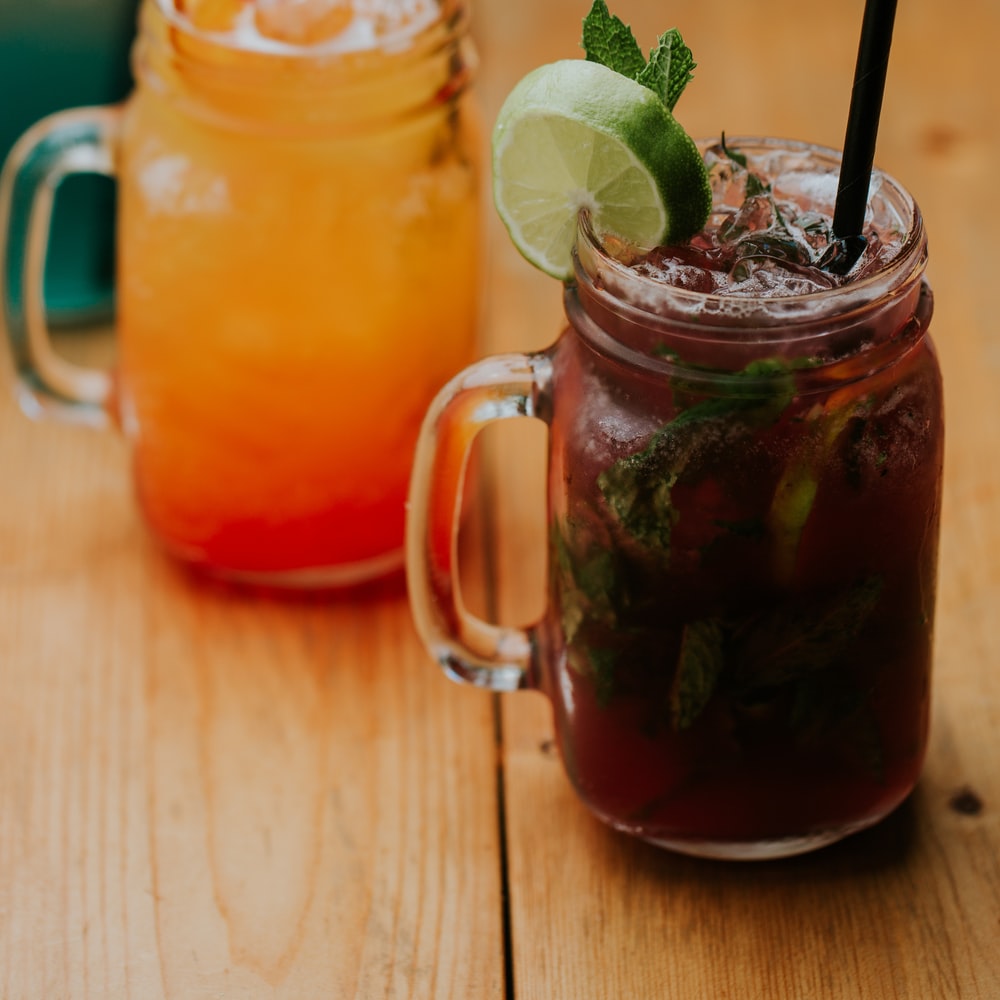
(574, 135)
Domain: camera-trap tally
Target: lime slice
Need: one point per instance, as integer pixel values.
(575, 134)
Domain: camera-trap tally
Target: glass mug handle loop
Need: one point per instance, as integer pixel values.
(79, 141)
(470, 650)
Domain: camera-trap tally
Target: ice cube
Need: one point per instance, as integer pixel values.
(813, 229)
(769, 277)
(389, 17)
(815, 190)
(685, 267)
(212, 15)
(303, 22)
(756, 213)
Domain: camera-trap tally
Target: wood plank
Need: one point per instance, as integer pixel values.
(208, 793)
(912, 908)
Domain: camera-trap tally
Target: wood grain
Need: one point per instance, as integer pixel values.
(208, 793)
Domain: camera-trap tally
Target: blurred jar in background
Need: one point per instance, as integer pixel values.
(299, 231)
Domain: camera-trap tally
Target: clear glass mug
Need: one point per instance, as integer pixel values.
(743, 513)
(299, 239)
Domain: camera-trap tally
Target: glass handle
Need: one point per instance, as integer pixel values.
(468, 648)
(80, 141)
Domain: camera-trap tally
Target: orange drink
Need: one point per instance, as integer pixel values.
(302, 277)
(298, 231)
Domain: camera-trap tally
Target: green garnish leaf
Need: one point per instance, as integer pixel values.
(609, 41)
(670, 68)
(637, 488)
(602, 666)
(759, 658)
(797, 640)
(733, 154)
(584, 581)
(699, 666)
(755, 184)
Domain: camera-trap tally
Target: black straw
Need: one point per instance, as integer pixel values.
(862, 130)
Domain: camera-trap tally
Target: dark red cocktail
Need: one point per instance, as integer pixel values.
(744, 495)
(744, 502)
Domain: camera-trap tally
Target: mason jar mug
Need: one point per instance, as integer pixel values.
(743, 512)
(299, 250)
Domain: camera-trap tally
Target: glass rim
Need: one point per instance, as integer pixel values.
(450, 19)
(617, 284)
(302, 91)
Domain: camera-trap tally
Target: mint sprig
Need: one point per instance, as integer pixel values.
(609, 41)
(638, 488)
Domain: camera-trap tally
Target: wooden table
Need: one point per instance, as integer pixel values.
(208, 794)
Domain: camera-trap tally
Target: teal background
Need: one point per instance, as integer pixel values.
(57, 54)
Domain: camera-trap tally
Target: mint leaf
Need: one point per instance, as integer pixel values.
(602, 666)
(609, 41)
(795, 652)
(655, 74)
(637, 488)
(637, 491)
(584, 582)
(733, 154)
(670, 68)
(699, 666)
(801, 638)
(755, 184)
